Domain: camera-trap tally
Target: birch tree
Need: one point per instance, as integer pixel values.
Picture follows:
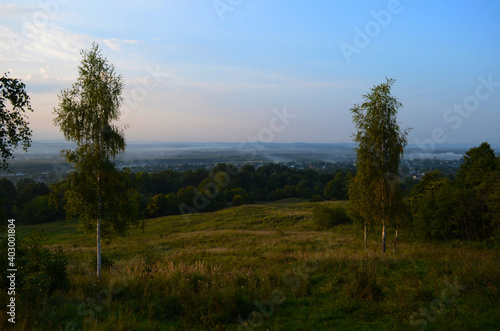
(374, 192)
(85, 115)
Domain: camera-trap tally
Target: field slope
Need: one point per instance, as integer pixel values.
(264, 266)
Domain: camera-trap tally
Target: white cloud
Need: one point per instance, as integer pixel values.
(40, 43)
(45, 71)
(116, 44)
(45, 46)
(16, 10)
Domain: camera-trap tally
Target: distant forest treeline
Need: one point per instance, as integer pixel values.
(465, 206)
(171, 192)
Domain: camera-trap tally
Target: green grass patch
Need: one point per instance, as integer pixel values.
(263, 266)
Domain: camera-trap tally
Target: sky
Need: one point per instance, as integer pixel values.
(265, 70)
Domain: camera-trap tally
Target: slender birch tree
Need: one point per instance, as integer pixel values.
(374, 192)
(85, 115)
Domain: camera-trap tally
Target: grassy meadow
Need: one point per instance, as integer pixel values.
(264, 267)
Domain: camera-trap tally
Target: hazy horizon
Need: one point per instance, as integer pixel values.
(465, 144)
(54, 145)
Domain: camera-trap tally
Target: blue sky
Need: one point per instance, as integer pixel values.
(221, 70)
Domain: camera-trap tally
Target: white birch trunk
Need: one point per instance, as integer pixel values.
(383, 237)
(366, 242)
(99, 248)
(396, 241)
(99, 228)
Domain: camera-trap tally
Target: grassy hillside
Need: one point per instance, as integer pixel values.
(264, 267)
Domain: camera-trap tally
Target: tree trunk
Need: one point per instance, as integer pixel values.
(383, 237)
(396, 241)
(99, 227)
(99, 248)
(366, 243)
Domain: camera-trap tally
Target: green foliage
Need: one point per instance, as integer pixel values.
(374, 191)
(237, 200)
(37, 211)
(424, 206)
(186, 195)
(106, 262)
(8, 196)
(493, 202)
(430, 182)
(54, 273)
(464, 208)
(172, 192)
(14, 128)
(44, 270)
(209, 196)
(476, 179)
(87, 109)
(40, 271)
(27, 190)
(316, 198)
(57, 200)
(106, 198)
(96, 192)
(84, 116)
(237, 196)
(325, 217)
(479, 163)
(437, 213)
(336, 188)
(157, 206)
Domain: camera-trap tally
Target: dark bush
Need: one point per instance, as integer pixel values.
(325, 218)
(316, 198)
(54, 270)
(237, 200)
(40, 270)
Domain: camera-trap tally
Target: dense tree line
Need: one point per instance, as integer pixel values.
(28, 202)
(466, 207)
(172, 192)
